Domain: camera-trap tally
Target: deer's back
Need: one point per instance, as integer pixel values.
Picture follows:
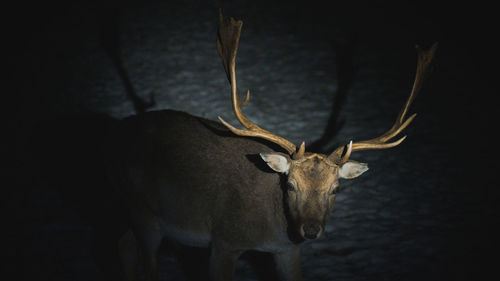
(195, 175)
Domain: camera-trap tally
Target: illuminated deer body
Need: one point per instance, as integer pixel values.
(194, 181)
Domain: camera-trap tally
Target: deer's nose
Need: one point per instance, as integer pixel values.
(311, 230)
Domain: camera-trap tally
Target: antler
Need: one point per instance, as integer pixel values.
(381, 142)
(228, 37)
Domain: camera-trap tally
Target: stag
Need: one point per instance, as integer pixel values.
(206, 184)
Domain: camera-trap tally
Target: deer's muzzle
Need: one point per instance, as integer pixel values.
(311, 230)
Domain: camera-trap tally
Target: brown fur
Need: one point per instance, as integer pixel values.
(191, 180)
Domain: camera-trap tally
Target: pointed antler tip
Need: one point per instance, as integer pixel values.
(246, 100)
(398, 142)
(300, 153)
(347, 153)
(222, 121)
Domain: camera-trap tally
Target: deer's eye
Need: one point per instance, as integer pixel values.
(290, 186)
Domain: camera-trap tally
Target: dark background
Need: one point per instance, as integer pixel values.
(48, 146)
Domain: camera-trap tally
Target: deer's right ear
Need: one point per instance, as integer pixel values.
(279, 162)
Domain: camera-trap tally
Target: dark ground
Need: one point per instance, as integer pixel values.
(56, 196)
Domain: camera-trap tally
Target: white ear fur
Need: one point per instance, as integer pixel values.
(352, 169)
(278, 162)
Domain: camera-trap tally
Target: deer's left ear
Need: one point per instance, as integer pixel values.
(279, 162)
(352, 169)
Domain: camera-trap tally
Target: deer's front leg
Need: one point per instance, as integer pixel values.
(288, 264)
(222, 263)
(128, 251)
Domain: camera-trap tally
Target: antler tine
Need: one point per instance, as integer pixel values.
(300, 153)
(424, 60)
(228, 37)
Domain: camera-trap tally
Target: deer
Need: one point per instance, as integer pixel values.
(210, 184)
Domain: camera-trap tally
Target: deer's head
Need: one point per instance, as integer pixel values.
(312, 182)
(312, 179)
